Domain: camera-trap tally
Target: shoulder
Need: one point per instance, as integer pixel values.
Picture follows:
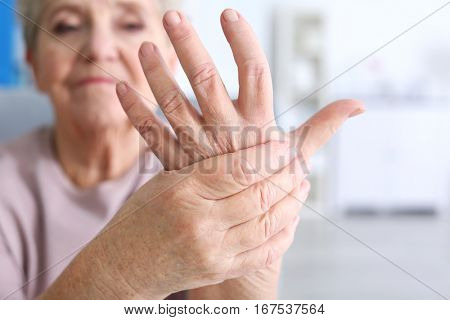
(22, 153)
(19, 159)
(25, 145)
(18, 202)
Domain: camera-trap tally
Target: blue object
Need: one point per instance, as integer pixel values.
(8, 70)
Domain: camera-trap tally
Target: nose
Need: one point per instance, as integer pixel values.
(100, 45)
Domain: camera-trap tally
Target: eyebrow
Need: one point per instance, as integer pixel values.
(72, 6)
(132, 6)
(76, 7)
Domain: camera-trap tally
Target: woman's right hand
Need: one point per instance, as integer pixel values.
(217, 219)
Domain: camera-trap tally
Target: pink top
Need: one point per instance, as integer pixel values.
(45, 218)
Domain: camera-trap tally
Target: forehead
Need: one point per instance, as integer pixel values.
(51, 6)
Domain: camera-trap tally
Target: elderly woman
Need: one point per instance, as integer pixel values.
(86, 213)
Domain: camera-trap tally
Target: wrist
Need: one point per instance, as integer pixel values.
(92, 276)
(258, 285)
(122, 274)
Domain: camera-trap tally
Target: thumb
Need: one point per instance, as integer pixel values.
(315, 132)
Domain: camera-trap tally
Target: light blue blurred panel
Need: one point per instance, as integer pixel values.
(21, 111)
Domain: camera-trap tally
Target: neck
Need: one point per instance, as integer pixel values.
(89, 158)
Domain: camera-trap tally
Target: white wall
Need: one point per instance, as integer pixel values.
(404, 86)
(353, 29)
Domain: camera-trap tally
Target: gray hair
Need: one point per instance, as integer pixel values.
(31, 10)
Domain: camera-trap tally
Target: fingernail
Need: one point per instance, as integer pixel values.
(230, 15)
(356, 112)
(172, 18)
(147, 49)
(122, 88)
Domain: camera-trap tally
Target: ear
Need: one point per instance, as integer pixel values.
(31, 61)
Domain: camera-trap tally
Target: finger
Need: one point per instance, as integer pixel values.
(264, 255)
(184, 119)
(211, 94)
(255, 82)
(155, 133)
(258, 198)
(222, 176)
(255, 232)
(315, 132)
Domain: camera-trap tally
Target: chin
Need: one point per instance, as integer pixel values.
(101, 114)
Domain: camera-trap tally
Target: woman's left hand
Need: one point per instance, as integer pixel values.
(224, 125)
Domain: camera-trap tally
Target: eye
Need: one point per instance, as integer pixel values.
(63, 28)
(133, 26)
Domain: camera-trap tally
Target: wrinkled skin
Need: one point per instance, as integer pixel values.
(224, 125)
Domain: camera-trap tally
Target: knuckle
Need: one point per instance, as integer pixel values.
(221, 139)
(224, 144)
(270, 223)
(171, 101)
(266, 195)
(242, 172)
(130, 103)
(146, 128)
(193, 229)
(256, 69)
(258, 72)
(205, 75)
(252, 239)
(272, 256)
(176, 196)
(190, 226)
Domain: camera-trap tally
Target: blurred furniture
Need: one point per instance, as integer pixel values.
(395, 160)
(298, 40)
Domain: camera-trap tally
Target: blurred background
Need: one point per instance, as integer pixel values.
(380, 201)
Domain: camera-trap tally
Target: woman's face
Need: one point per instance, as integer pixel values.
(109, 33)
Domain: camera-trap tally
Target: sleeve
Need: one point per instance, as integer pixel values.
(11, 275)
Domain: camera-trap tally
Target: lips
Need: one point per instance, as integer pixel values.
(96, 80)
